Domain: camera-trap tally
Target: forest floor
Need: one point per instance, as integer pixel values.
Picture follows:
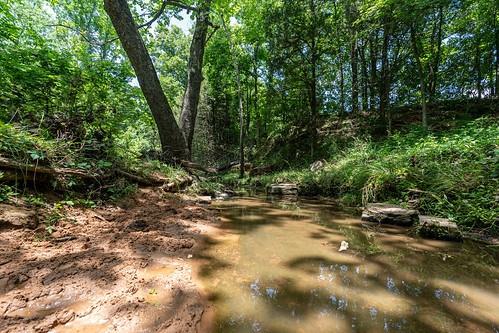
(125, 267)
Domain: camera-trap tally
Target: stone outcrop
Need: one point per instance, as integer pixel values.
(438, 228)
(389, 214)
(283, 189)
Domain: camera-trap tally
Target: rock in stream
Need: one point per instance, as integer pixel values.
(438, 228)
(389, 214)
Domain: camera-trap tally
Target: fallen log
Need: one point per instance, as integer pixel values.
(227, 166)
(140, 180)
(261, 170)
(178, 185)
(9, 164)
(196, 166)
(29, 172)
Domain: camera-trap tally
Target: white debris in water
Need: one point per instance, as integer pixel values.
(343, 246)
(189, 256)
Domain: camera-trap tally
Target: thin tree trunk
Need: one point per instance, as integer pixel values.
(255, 97)
(351, 16)
(365, 79)
(496, 32)
(342, 90)
(384, 82)
(314, 104)
(354, 68)
(248, 113)
(422, 83)
(478, 69)
(314, 108)
(373, 54)
(240, 96)
(436, 63)
(194, 74)
(172, 140)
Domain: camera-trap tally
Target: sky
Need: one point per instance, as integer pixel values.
(185, 24)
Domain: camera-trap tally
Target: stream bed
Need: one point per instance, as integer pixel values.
(276, 268)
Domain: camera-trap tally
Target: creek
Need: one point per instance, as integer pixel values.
(275, 267)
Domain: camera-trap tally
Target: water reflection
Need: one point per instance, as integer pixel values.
(283, 273)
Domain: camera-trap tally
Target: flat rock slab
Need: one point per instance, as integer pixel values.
(285, 189)
(389, 214)
(438, 228)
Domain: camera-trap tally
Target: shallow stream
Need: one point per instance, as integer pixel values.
(276, 268)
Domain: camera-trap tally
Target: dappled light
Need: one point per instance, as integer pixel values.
(282, 272)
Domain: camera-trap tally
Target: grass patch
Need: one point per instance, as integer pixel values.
(456, 170)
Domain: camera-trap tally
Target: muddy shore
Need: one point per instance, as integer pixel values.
(127, 267)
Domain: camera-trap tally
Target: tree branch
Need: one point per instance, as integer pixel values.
(165, 3)
(215, 28)
(147, 24)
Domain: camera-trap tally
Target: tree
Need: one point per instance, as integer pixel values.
(172, 139)
(195, 73)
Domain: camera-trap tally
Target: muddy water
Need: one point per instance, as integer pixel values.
(276, 268)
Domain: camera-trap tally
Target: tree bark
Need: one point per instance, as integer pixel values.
(195, 74)
(172, 140)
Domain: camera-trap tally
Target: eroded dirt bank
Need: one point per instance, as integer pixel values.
(117, 268)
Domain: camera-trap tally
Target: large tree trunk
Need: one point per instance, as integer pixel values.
(172, 140)
(195, 74)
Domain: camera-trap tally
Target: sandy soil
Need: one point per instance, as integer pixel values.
(118, 268)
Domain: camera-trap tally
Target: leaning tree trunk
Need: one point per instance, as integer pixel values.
(172, 140)
(195, 74)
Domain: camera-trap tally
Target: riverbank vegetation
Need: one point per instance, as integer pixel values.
(391, 98)
(453, 172)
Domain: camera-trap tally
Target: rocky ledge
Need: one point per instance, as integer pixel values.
(389, 214)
